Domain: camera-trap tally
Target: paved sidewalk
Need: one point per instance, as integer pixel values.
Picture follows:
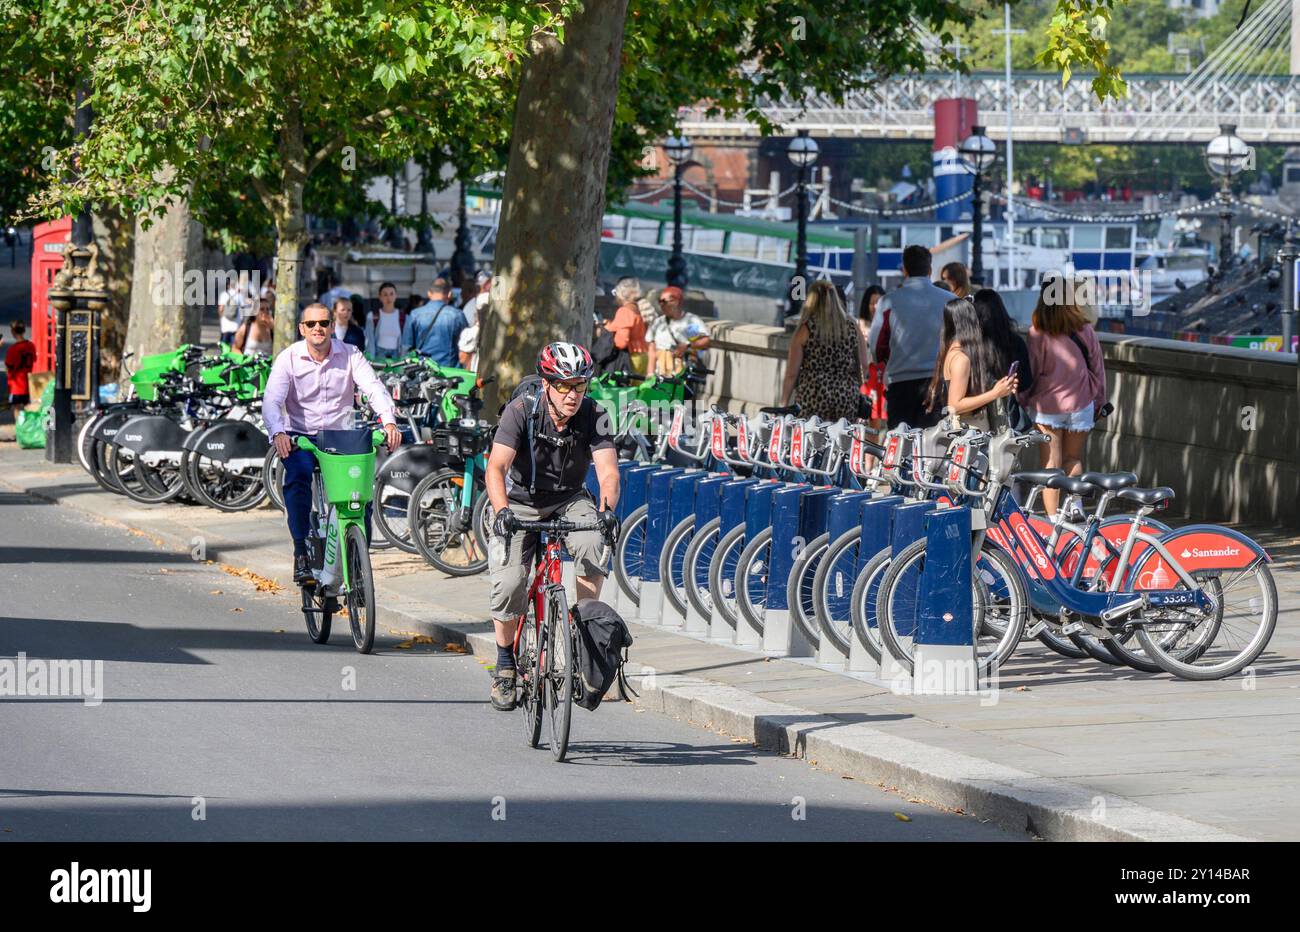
(1070, 750)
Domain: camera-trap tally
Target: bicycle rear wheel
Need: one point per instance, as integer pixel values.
(317, 618)
(361, 589)
(863, 601)
(800, 594)
(695, 567)
(273, 477)
(559, 662)
(672, 564)
(722, 575)
(753, 573)
(432, 520)
(390, 510)
(1228, 640)
(832, 589)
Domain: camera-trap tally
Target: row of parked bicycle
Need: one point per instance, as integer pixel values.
(747, 542)
(191, 430)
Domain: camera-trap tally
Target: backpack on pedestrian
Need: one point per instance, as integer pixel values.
(603, 640)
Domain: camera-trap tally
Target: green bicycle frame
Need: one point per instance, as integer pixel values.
(617, 400)
(348, 481)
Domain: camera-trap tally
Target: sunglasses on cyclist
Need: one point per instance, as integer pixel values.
(565, 387)
(310, 324)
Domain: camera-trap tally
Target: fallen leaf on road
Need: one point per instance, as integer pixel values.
(215, 592)
(455, 648)
(902, 818)
(405, 645)
(261, 583)
(1022, 689)
(422, 639)
(237, 609)
(163, 569)
(279, 631)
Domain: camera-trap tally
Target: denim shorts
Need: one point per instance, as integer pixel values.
(1077, 421)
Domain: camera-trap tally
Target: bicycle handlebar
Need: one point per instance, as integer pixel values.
(377, 437)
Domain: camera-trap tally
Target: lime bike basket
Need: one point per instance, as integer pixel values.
(347, 466)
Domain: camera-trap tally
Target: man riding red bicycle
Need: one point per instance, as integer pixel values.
(536, 471)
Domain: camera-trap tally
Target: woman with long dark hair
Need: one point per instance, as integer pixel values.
(1001, 333)
(967, 378)
(871, 406)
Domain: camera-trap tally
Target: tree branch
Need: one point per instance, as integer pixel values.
(330, 147)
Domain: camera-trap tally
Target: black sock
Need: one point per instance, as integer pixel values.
(300, 547)
(505, 658)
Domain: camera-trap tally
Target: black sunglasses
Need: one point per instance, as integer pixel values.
(317, 323)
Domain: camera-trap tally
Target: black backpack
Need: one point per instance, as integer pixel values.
(603, 640)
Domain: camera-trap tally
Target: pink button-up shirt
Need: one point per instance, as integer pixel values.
(304, 396)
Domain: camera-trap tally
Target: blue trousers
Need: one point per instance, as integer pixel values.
(298, 470)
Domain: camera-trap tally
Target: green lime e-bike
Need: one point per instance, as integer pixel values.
(341, 490)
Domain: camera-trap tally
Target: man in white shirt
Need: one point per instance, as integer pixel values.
(675, 337)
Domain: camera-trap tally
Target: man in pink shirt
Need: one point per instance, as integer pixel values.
(311, 388)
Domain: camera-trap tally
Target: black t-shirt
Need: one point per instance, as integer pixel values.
(561, 469)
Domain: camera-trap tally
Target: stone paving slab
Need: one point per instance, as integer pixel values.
(1158, 758)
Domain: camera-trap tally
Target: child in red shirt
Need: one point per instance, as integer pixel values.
(19, 362)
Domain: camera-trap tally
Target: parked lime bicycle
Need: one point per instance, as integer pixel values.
(341, 490)
(447, 511)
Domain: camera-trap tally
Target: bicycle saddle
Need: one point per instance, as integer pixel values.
(1158, 496)
(1110, 481)
(1068, 484)
(788, 409)
(1037, 476)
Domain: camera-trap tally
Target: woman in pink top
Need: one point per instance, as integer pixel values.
(1069, 380)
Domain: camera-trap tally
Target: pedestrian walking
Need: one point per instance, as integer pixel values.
(233, 305)
(823, 368)
(905, 332)
(1069, 388)
(871, 403)
(956, 277)
(345, 330)
(628, 329)
(676, 337)
(20, 360)
(970, 375)
(257, 332)
(435, 328)
(385, 325)
(1003, 334)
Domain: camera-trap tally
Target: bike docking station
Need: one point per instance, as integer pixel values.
(876, 523)
(798, 516)
(658, 489)
(706, 507)
(842, 515)
(568, 575)
(758, 516)
(733, 507)
(682, 491)
(944, 660)
(633, 492)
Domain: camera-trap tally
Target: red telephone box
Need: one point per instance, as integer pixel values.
(48, 242)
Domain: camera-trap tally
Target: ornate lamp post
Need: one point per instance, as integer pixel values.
(79, 294)
(678, 149)
(803, 152)
(1227, 156)
(978, 155)
(462, 260)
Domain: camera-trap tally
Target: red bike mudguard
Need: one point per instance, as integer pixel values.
(1196, 548)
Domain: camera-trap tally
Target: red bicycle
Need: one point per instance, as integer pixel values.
(546, 639)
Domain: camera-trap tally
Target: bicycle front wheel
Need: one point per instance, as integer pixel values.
(672, 564)
(559, 663)
(695, 567)
(361, 589)
(433, 522)
(629, 555)
(753, 573)
(528, 667)
(800, 595)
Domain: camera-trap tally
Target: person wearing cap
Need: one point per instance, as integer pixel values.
(675, 337)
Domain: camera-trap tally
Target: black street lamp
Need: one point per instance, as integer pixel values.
(978, 155)
(1227, 156)
(396, 238)
(803, 152)
(424, 238)
(462, 260)
(678, 149)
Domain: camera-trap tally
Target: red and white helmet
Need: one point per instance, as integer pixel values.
(559, 362)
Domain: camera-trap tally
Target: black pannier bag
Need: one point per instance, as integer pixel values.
(603, 640)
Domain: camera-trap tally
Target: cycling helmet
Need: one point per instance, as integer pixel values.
(559, 362)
